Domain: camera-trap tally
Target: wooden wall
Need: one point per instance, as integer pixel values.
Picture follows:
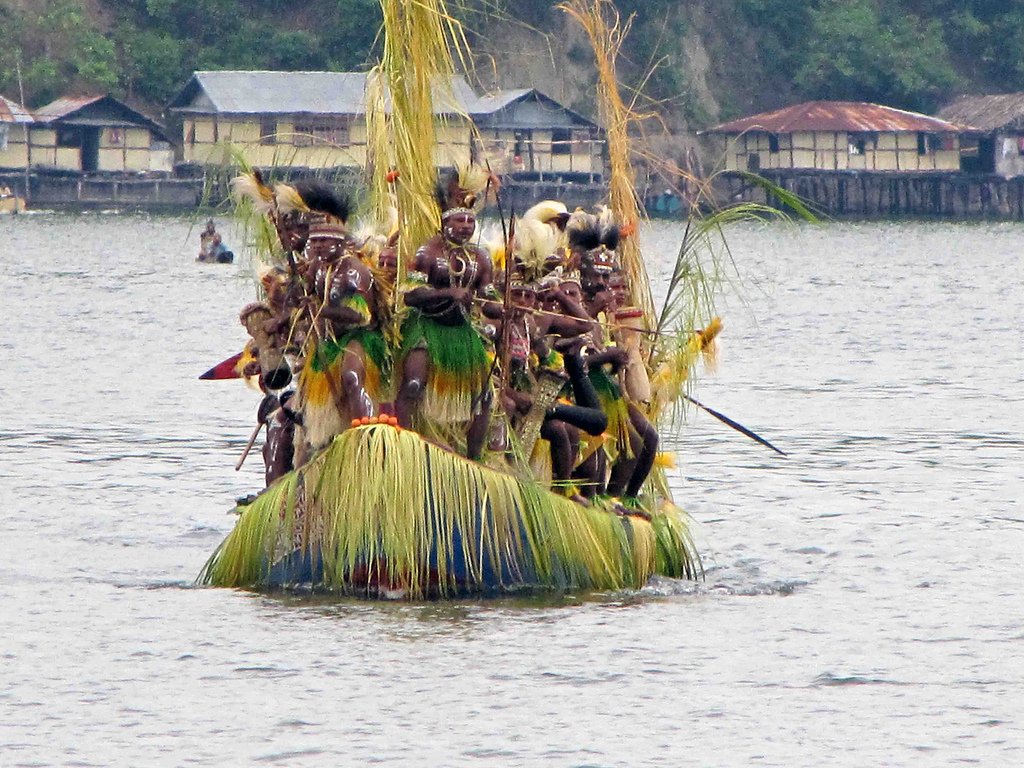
(300, 142)
(831, 151)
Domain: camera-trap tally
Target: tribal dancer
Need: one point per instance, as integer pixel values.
(637, 439)
(347, 356)
(538, 374)
(444, 369)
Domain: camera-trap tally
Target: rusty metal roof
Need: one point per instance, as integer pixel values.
(63, 107)
(987, 113)
(13, 112)
(96, 111)
(838, 116)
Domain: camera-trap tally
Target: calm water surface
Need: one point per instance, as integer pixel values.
(862, 604)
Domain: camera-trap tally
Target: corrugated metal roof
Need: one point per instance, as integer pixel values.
(492, 102)
(63, 107)
(987, 113)
(851, 116)
(107, 111)
(488, 107)
(13, 112)
(317, 93)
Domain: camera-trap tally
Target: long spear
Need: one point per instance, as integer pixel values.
(734, 424)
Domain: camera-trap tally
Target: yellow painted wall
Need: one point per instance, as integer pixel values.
(137, 159)
(243, 134)
(16, 154)
(69, 158)
(831, 151)
(137, 138)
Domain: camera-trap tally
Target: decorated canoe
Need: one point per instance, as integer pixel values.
(384, 513)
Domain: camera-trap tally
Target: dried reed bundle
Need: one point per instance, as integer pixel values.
(603, 26)
(418, 63)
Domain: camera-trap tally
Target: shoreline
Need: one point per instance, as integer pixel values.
(847, 196)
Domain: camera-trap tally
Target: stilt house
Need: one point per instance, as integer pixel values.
(998, 145)
(840, 136)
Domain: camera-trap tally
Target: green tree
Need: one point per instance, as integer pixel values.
(153, 65)
(854, 53)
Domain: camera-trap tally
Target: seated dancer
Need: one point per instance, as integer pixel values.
(346, 355)
(444, 367)
(563, 315)
(536, 380)
(635, 440)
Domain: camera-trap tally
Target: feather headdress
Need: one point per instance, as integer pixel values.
(584, 231)
(464, 190)
(548, 212)
(250, 186)
(534, 242)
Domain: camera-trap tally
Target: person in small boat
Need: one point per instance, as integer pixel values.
(211, 246)
(444, 368)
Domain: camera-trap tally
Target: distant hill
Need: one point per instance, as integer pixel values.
(699, 61)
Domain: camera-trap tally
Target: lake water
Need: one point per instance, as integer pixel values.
(862, 604)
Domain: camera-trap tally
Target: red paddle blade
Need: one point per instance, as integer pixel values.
(227, 369)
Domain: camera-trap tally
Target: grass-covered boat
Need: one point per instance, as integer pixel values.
(384, 512)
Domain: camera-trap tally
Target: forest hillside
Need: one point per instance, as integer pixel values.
(697, 62)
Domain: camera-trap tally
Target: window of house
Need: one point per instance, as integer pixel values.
(922, 143)
(268, 130)
(190, 133)
(69, 137)
(773, 143)
(332, 131)
(857, 143)
(115, 137)
(753, 162)
(561, 141)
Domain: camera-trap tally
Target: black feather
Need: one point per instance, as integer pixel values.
(586, 237)
(610, 237)
(320, 197)
(447, 191)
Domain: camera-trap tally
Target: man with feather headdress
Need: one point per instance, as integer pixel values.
(444, 365)
(593, 240)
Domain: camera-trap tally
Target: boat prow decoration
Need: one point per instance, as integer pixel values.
(381, 511)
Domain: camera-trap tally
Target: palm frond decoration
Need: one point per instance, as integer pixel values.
(254, 199)
(382, 508)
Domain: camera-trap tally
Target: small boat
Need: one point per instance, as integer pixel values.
(384, 513)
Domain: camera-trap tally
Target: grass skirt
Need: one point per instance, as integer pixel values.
(459, 367)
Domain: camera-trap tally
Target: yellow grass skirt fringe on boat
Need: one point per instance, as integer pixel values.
(383, 506)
